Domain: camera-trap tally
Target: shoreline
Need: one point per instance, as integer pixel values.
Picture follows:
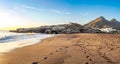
(10, 46)
(69, 49)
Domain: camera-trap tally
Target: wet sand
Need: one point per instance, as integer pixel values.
(69, 49)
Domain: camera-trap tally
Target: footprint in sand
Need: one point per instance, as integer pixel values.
(90, 59)
(85, 51)
(66, 47)
(87, 56)
(112, 49)
(51, 53)
(86, 63)
(56, 50)
(45, 58)
(81, 49)
(35, 63)
(60, 48)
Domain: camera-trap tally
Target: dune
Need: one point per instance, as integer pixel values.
(68, 49)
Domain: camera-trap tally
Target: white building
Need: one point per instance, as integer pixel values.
(108, 30)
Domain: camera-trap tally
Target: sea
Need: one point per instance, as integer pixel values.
(10, 40)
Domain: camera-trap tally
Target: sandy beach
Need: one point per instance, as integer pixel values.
(69, 49)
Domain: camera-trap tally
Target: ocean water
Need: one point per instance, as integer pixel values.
(10, 40)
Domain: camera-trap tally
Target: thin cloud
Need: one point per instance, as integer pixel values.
(31, 7)
(26, 8)
(59, 11)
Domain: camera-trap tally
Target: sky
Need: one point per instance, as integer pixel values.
(32, 13)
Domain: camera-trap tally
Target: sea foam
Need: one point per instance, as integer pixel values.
(12, 41)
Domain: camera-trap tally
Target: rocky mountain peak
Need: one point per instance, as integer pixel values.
(101, 22)
(113, 20)
(101, 18)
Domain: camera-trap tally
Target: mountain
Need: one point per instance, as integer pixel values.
(115, 23)
(101, 22)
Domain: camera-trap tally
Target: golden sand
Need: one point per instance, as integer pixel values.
(69, 49)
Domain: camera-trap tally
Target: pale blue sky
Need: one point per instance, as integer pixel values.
(44, 12)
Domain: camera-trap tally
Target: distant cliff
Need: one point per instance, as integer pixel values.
(58, 29)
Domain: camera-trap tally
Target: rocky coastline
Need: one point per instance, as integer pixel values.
(62, 29)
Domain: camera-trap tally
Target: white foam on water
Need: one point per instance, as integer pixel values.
(21, 40)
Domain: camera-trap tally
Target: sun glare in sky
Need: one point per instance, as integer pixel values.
(11, 20)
